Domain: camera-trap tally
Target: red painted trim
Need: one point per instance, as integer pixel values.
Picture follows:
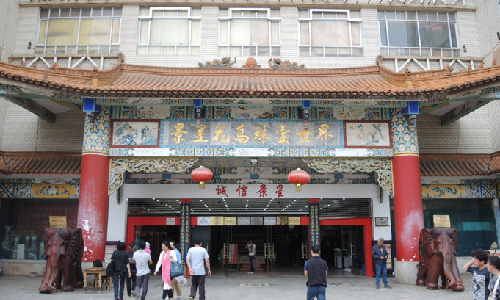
(194, 221)
(133, 221)
(135, 146)
(304, 221)
(408, 206)
(313, 200)
(93, 205)
(367, 233)
(185, 200)
(346, 145)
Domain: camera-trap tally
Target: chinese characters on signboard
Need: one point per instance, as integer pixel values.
(252, 134)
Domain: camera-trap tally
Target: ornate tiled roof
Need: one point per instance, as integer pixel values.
(459, 164)
(40, 163)
(354, 83)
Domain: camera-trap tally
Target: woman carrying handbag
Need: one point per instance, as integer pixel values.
(167, 257)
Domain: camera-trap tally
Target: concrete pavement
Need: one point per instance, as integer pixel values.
(247, 286)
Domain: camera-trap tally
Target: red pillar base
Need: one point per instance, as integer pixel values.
(408, 206)
(93, 205)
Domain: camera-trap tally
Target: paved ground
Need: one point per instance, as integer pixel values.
(221, 288)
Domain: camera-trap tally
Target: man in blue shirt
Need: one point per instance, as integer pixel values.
(315, 270)
(380, 256)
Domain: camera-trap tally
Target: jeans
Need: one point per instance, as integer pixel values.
(198, 281)
(142, 282)
(381, 270)
(316, 292)
(251, 259)
(119, 282)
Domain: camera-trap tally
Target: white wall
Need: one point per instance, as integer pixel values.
(382, 209)
(470, 134)
(117, 219)
(24, 131)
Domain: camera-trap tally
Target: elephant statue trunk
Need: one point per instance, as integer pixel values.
(438, 251)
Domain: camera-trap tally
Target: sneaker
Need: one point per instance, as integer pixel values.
(250, 272)
(133, 293)
(388, 287)
(378, 286)
(191, 298)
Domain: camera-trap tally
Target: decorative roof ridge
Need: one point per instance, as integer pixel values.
(245, 71)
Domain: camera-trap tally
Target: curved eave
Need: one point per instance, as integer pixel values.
(352, 83)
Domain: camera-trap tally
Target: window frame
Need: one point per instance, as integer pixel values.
(412, 51)
(150, 17)
(116, 14)
(230, 17)
(350, 20)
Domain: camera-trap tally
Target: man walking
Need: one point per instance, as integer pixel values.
(142, 261)
(315, 270)
(194, 260)
(380, 256)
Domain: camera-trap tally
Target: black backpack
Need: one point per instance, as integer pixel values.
(110, 268)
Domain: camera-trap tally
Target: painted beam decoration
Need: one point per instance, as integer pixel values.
(251, 138)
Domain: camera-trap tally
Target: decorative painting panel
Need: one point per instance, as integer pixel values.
(53, 191)
(367, 134)
(443, 191)
(252, 112)
(135, 133)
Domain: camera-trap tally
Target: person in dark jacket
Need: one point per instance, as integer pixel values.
(380, 256)
(122, 266)
(315, 270)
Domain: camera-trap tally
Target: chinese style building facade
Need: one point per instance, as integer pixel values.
(390, 108)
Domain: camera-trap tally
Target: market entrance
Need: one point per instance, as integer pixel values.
(280, 249)
(346, 245)
(343, 249)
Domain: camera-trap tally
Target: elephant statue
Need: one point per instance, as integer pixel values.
(438, 251)
(63, 251)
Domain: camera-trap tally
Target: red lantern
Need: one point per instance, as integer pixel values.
(298, 177)
(202, 175)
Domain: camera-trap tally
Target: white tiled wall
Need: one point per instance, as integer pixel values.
(24, 131)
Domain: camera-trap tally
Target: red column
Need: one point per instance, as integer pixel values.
(93, 205)
(408, 207)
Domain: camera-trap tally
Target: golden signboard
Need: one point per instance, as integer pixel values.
(58, 222)
(441, 220)
(229, 220)
(281, 220)
(293, 220)
(217, 221)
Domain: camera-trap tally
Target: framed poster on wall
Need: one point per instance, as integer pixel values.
(367, 134)
(135, 133)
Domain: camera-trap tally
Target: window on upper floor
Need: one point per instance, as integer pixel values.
(169, 31)
(330, 33)
(419, 33)
(249, 32)
(79, 30)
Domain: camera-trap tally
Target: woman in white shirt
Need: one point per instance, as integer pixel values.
(167, 257)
